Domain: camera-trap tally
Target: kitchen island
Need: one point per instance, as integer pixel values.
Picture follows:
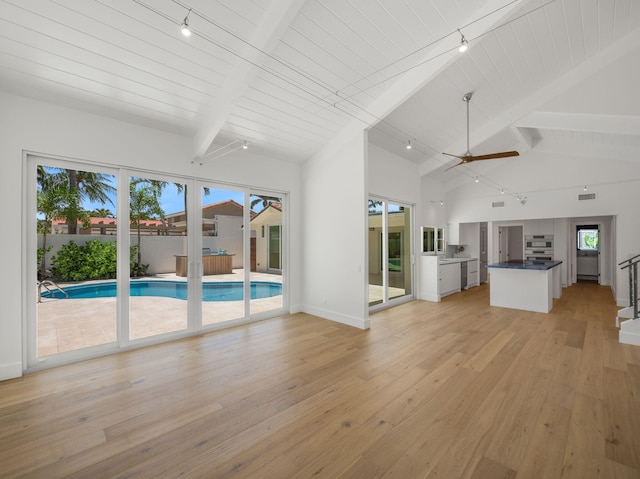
(212, 263)
(525, 284)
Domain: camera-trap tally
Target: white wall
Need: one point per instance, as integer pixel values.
(395, 178)
(334, 233)
(392, 176)
(547, 198)
(48, 129)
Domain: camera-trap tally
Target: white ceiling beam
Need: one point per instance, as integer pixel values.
(431, 64)
(590, 151)
(525, 137)
(518, 112)
(591, 122)
(274, 23)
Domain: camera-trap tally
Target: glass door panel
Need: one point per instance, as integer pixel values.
(158, 262)
(75, 258)
(222, 254)
(389, 245)
(266, 246)
(399, 264)
(377, 276)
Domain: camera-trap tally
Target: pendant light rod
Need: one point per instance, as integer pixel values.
(467, 99)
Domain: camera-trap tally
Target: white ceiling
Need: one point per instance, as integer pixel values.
(287, 76)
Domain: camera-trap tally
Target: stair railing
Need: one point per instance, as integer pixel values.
(632, 264)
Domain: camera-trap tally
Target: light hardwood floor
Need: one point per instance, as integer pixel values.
(456, 389)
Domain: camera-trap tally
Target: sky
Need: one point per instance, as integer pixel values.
(172, 202)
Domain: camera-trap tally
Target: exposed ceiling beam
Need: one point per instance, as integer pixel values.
(590, 150)
(616, 124)
(274, 23)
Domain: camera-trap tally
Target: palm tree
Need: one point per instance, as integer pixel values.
(89, 185)
(263, 200)
(144, 204)
(52, 203)
(102, 213)
(182, 188)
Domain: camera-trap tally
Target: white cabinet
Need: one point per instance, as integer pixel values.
(437, 280)
(453, 233)
(428, 279)
(473, 273)
(463, 233)
(538, 227)
(449, 278)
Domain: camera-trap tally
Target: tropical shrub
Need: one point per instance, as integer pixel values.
(94, 260)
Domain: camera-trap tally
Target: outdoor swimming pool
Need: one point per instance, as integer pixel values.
(211, 291)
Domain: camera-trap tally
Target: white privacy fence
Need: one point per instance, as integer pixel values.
(157, 251)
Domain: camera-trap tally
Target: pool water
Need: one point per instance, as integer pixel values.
(211, 291)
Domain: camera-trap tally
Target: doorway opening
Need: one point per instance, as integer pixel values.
(511, 243)
(588, 252)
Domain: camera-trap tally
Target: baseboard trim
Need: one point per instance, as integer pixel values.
(337, 317)
(630, 332)
(10, 371)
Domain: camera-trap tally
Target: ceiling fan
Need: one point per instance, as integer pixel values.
(468, 157)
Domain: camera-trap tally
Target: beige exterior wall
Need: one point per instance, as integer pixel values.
(270, 216)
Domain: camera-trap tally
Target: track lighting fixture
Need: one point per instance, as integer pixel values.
(408, 147)
(244, 145)
(502, 191)
(184, 26)
(464, 44)
(585, 188)
(477, 180)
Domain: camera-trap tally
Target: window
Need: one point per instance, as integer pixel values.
(587, 239)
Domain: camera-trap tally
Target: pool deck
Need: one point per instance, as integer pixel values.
(67, 325)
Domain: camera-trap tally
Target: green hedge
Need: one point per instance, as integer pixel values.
(94, 260)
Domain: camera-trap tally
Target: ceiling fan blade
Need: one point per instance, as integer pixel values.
(457, 164)
(461, 157)
(502, 154)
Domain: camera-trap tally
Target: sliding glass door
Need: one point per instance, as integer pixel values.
(267, 247)
(74, 257)
(223, 278)
(118, 258)
(390, 251)
(158, 256)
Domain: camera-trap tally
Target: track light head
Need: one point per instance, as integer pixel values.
(464, 44)
(184, 26)
(408, 147)
(245, 146)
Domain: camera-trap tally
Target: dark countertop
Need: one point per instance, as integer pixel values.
(535, 265)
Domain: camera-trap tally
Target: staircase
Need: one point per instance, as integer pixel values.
(630, 325)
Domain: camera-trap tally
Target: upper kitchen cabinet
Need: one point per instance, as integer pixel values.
(463, 233)
(538, 227)
(453, 233)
